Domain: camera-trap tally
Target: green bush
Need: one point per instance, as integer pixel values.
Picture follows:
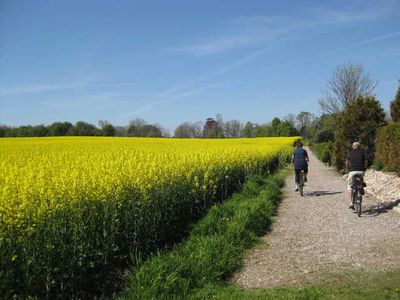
(324, 152)
(324, 136)
(395, 107)
(387, 146)
(359, 121)
(377, 165)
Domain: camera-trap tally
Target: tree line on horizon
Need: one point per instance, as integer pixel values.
(213, 127)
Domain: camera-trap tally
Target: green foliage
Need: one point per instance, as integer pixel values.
(108, 130)
(304, 120)
(377, 165)
(3, 130)
(247, 130)
(140, 128)
(286, 129)
(82, 128)
(275, 123)
(60, 128)
(359, 121)
(388, 145)
(214, 247)
(276, 128)
(24, 131)
(324, 151)
(324, 128)
(324, 136)
(395, 107)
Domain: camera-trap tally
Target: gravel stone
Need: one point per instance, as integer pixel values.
(383, 186)
(317, 234)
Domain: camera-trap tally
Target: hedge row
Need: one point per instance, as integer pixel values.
(388, 146)
(324, 151)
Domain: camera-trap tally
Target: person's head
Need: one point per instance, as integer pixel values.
(299, 144)
(356, 145)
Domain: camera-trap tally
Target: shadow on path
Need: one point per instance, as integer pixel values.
(379, 208)
(321, 193)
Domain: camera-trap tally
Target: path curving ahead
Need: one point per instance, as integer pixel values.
(317, 235)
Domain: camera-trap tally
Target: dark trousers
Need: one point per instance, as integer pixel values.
(297, 173)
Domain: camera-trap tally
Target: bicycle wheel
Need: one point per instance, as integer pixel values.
(359, 200)
(301, 184)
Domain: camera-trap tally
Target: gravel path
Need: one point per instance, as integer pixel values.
(317, 234)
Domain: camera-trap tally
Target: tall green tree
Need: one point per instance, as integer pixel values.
(107, 129)
(359, 121)
(135, 127)
(275, 126)
(247, 130)
(395, 106)
(82, 128)
(184, 130)
(285, 128)
(323, 128)
(3, 130)
(304, 121)
(40, 130)
(60, 128)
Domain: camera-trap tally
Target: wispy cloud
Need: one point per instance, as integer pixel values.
(260, 30)
(39, 88)
(172, 95)
(377, 38)
(363, 42)
(97, 101)
(249, 31)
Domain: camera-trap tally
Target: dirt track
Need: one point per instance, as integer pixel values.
(317, 235)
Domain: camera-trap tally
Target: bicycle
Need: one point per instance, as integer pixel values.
(357, 191)
(301, 177)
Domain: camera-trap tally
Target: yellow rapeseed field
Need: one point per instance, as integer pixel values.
(39, 175)
(60, 190)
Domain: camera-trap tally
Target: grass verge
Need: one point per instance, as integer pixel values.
(214, 248)
(349, 286)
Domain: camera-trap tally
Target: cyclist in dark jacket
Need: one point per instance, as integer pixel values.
(300, 161)
(355, 163)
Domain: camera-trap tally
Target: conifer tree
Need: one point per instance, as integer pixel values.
(395, 106)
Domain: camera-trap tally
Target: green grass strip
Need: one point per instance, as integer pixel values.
(353, 286)
(214, 248)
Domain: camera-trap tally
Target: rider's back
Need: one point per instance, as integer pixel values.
(300, 158)
(356, 158)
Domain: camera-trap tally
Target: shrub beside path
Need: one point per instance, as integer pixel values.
(316, 236)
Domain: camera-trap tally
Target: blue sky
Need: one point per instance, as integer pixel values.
(174, 61)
